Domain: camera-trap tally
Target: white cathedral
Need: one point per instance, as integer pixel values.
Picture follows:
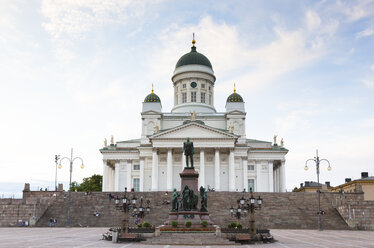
(225, 159)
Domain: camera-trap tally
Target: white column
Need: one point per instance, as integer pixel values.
(202, 169)
(169, 171)
(244, 163)
(116, 175)
(275, 180)
(154, 170)
(259, 187)
(113, 178)
(105, 176)
(128, 175)
(141, 175)
(278, 179)
(183, 161)
(232, 170)
(217, 171)
(271, 182)
(283, 177)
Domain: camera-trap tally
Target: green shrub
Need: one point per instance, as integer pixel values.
(188, 224)
(239, 226)
(146, 224)
(140, 225)
(204, 223)
(174, 223)
(232, 225)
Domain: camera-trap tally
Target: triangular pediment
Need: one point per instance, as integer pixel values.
(193, 131)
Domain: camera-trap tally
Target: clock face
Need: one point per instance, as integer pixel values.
(193, 84)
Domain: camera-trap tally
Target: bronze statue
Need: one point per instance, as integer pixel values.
(188, 151)
(189, 200)
(174, 201)
(204, 200)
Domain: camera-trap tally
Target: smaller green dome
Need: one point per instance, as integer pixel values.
(235, 97)
(152, 98)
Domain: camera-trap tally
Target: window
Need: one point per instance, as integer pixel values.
(209, 87)
(136, 184)
(193, 96)
(184, 97)
(203, 86)
(251, 167)
(203, 97)
(251, 185)
(183, 86)
(136, 167)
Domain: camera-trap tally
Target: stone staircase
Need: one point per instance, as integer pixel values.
(280, 210)
(188, 239)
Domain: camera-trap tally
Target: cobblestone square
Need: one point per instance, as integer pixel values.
(91, 237)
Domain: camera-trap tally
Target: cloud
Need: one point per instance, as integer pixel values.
(369, 83)
(355, 10)
(233, 55)
(372, 67)
(365, 33)
(71, 20)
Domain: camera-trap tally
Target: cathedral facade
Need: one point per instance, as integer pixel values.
(224, 157)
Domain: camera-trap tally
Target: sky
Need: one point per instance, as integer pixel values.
(73, 72)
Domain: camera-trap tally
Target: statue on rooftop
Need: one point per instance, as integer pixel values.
(105, 143)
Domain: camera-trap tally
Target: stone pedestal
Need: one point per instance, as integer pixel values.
(190, 178)
(194, 216)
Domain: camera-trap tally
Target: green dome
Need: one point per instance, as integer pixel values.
(235, 97)
(152, 98)
(193, 58)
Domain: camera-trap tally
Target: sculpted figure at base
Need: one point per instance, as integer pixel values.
(204, 200)
(188, 151)
(189, 200)
(174, 201)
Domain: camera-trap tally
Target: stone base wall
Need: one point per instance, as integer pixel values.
(357, 212)
(30, 208)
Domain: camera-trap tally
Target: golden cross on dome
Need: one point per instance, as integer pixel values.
(234, 88)
(153, 89)
(193, 39)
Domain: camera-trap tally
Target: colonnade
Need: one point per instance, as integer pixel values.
(275, 180)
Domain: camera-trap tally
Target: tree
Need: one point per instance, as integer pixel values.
(93, 183)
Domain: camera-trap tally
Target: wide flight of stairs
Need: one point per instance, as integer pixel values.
(279, 210)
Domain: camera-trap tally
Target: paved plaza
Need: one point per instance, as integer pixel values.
(91, 237)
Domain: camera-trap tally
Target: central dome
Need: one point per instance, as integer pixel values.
(193, 58)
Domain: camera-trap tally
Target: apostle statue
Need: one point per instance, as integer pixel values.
(275, 139)
(188, 151)
(105, 143)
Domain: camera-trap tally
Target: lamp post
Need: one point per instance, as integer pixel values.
(248, 205)
(71, 160)
(127, 204)
(57, 157)
(317, 161)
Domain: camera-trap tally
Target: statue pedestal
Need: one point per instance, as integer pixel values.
(190, 178)
(194, 216)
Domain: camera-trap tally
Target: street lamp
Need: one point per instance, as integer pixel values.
(71, 160)
(317, 161)
(127, 204)
(248, 205)
(57, 157)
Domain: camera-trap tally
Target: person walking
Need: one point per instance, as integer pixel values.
(50, 222)
(54, 222)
